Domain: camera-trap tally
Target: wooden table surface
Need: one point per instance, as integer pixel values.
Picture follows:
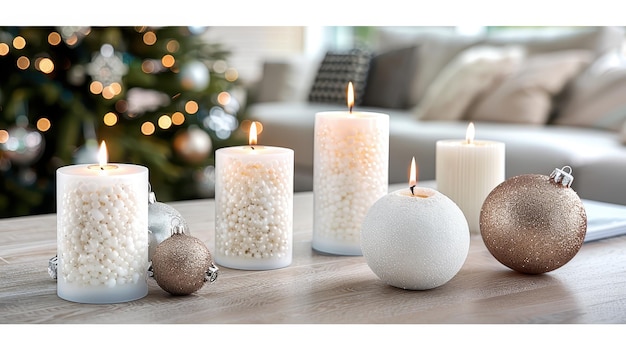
(318, 288)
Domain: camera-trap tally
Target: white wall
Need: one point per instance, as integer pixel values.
(250, 45)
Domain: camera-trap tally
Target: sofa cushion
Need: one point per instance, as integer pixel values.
(468, 75)
(598, 40)
(285, 79)
(334, 73)
(390, 78)
(597, 99)
(526, 95)
(436, 50)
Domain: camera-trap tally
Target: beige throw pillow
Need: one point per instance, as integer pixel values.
(598, 97)
(526, 96)
(623, 133)
(468, 75)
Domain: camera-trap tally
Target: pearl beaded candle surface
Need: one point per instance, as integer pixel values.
(467, 171)
(254, 207)
(351, 160)
(102, 233)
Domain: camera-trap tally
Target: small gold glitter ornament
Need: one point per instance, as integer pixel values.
(181, 264)
(533, 223)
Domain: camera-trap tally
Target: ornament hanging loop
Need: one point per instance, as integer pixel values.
(211, 274)
(151, 195)
(562, 176)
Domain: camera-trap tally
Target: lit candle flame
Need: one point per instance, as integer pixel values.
(469, 135)
(350, 95)
(103, 155)
(253, 134)
(413, 176)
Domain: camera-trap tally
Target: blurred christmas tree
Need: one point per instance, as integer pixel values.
(160, 97)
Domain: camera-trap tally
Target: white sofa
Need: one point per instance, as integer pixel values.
(575, 119)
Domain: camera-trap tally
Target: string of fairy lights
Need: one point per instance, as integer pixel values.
(107, 70)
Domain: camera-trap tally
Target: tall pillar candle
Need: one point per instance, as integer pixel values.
(102, 232)
(351, 160)
(254, 206)
(467, 170)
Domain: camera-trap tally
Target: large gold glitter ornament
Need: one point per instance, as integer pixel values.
(182, 264)
(534, 223)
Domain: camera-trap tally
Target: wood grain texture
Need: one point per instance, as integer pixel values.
(318, 288)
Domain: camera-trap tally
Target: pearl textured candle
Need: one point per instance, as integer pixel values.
(467, 170)
(102, 232)
(350, 172)
(415, 238)
(254, 206)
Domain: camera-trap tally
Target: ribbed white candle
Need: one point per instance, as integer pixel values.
(467, 171)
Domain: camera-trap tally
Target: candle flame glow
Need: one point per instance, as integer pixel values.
(350, 96)
(103, 155)
(469, 135)
(413, 174)
(252, 138)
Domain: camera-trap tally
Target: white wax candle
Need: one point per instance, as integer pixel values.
(102, 233)
(254, 207)
(351, 160)
(467, 171)
(415, 239)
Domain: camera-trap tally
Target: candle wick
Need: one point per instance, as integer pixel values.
(101, 168)
(252, 147)
(412, 187)
(350, 108)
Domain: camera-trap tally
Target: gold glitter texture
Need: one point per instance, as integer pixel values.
(533, 225)
(180, 263)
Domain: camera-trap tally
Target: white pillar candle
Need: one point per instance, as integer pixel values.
(467, 170)
(254, 206)
(102, 232)
(351, 158)
(415, 238)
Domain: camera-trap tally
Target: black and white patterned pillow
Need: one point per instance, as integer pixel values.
(334, 73)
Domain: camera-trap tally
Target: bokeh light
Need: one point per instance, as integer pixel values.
(4, 136)
(147, 128)
(149, 38)
(172, 46)
(43, 124)
(110, 119)
(191, 107)
(220, 66)
(168, 61)
(4, 49)
(178, 118)
(223, 98)
(19, 42)
(54, 38)
(231, 74)
(165, 122)
(45, 65)
(96, 87)
(23, 62)
(148, 66)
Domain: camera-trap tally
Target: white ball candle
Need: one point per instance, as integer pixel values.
(102, 232)
(254, 207)
(350, 172)
(415, 239)
(467, 170)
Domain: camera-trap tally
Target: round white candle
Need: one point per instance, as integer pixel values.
(254, 207)
(415, 240)
(351, 160)
(102, 233)
(467, 171)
